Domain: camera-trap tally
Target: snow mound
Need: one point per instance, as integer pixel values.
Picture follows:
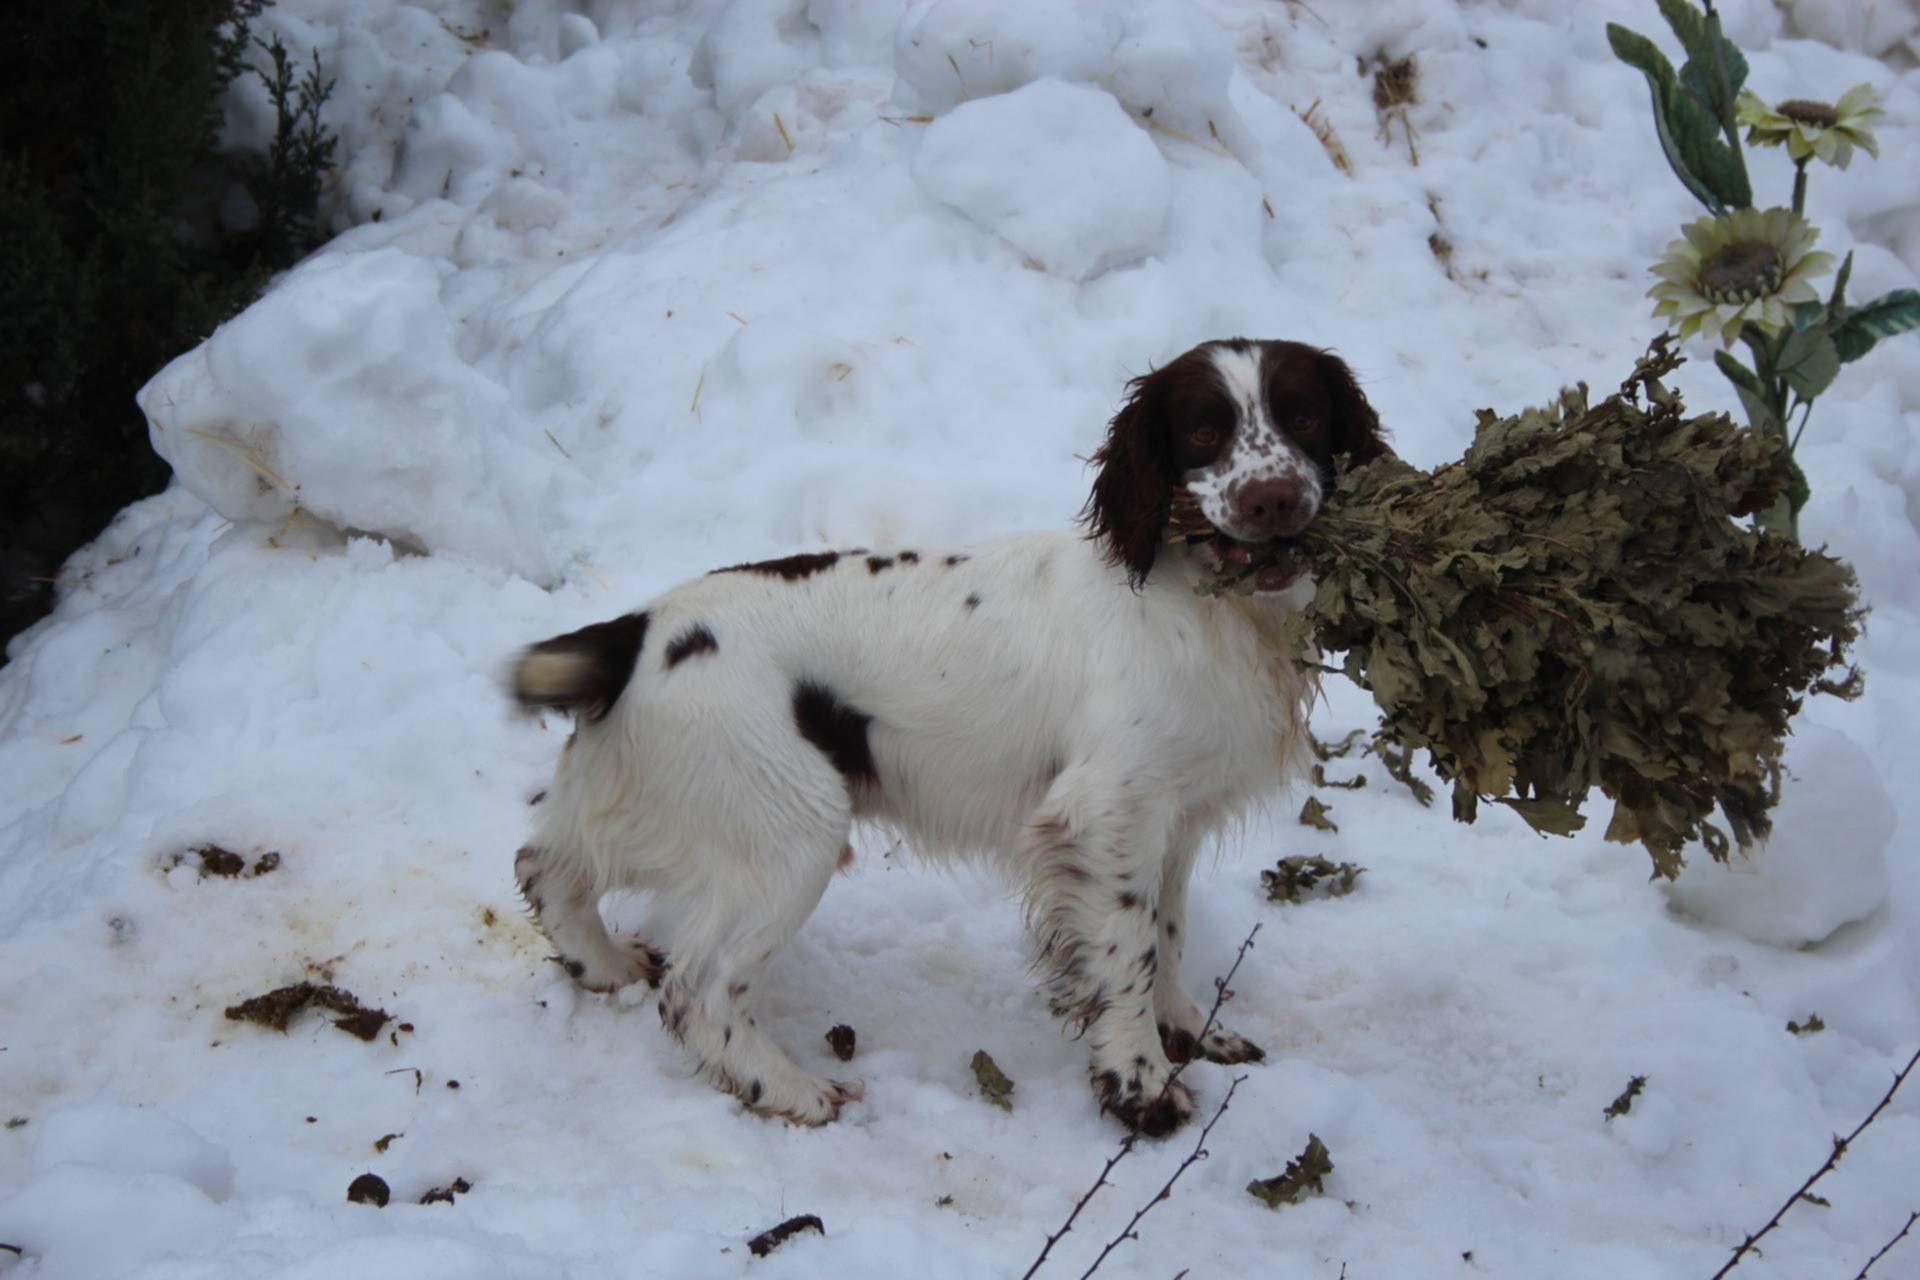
(1055, 169)
(129, 1141)
(82, 1222)
(340, 394)
(1825, 864)
(1168, 60)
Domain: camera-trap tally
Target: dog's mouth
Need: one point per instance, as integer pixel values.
(1280, 563)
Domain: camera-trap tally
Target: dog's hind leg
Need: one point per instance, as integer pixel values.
(560, 893)
(730, 921)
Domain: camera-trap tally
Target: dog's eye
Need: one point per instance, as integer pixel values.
(1305, 425)
(1203, 437)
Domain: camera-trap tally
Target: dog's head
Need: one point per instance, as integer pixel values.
(1251, 430)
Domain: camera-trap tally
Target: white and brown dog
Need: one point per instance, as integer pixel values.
(1067, 703)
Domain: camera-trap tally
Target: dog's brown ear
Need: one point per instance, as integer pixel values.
(1133, 488)
(1357, 432)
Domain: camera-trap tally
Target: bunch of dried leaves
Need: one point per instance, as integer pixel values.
(1298, 878)
(1572, 605)
(1302, 1177)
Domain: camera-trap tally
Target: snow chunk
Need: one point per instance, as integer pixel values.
(754, 46)
(1058, 170)
(1168, 59)
(432, 1256)
(1824, 866)
(1872, 29)
(132, 1141)
(82, 1222)
(340, 394)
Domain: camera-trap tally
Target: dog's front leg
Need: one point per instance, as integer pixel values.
(1095, 870)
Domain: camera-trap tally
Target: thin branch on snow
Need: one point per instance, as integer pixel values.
(1911, 1219)
(1221, 994)
(1840, 1146)
(1198, 1153)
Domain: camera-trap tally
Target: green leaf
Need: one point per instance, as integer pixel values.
(1738, 374)
(1886, 315)
(1718, 165)
(1809, 361)
(1760, 414)
(1752, 392)
(1642, 54)
(1703, 104)
(1806, 314)
(1687, 22)
(1715, 86)
(1837, 304)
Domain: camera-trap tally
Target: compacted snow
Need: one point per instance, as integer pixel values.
(627, 291)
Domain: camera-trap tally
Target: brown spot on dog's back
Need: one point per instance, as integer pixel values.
(955, 559)
(695, 639)
(876, 563)
(1129, 901)
(837, 730)
(973, 600)
(909, 557)
(788, 568)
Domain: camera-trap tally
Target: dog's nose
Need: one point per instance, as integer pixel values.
(1277, 507)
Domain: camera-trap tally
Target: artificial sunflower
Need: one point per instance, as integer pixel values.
(1829, 132)
(1744, 267)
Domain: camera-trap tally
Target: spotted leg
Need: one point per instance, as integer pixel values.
(560, 895)
(1180, 1021)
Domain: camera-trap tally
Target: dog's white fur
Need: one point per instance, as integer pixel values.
(1021, 700)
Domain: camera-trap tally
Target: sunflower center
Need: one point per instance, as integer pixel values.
(1805, 111)
(1741, 272)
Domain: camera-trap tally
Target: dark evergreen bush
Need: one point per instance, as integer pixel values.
(113, 258)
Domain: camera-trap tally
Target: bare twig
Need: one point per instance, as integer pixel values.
(1221, 994)
(1839, 1149)
(1194, 1156)
(1911, 1219)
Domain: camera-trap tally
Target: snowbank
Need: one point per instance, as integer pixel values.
(625, 292)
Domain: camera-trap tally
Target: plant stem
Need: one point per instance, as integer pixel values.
(1794, 444)
(1779, 517)
(1800, 186)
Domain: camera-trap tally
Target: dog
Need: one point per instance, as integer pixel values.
(1064, 702)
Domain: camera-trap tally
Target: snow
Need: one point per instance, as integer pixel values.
(626, 292)
(1024, 164)
(1802, 884)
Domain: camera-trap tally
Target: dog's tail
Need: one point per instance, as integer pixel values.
(582, 672)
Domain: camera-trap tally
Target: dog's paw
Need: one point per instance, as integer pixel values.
(807, 1101)
(1144, 1098)
(623, 962)
(1217, 1046)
